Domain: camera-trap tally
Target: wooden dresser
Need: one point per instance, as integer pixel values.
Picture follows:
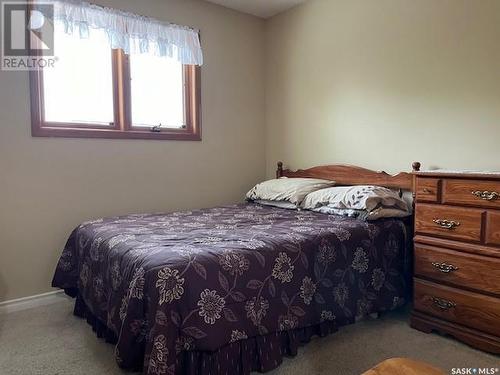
(457, 257)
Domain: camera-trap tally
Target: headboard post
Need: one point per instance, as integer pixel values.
(279, 171)
(416, 168)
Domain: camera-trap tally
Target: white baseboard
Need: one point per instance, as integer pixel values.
(30, 302)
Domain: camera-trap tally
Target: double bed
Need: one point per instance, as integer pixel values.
(233, 289)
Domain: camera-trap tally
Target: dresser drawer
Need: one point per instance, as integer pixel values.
(493, 228)
(469, 309)
(460, 269)
(451, 222)
(427, 189)
(472, 193)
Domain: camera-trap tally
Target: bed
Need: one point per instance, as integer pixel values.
(233, 289)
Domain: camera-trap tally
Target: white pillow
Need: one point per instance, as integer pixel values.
(364, 201)
(292, 190)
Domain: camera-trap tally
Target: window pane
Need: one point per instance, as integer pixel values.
(79, 89)
(157, 91)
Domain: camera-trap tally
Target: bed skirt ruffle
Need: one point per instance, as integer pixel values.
(101, 330)
(260, 353)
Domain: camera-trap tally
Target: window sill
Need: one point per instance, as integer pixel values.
(62, 132)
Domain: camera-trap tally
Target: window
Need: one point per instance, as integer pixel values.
(164, 101)
(79, 91)
(97, 92)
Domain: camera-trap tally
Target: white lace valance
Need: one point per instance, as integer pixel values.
(133, 33)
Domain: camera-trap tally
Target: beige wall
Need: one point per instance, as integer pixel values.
(383, 83)
(48, 186)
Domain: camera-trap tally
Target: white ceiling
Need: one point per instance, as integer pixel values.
(259, 8)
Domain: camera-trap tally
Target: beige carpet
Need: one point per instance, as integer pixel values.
(49, 340)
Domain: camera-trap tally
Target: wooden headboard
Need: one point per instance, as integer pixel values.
(352, 175)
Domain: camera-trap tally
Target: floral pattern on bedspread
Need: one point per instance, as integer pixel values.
(199, 280)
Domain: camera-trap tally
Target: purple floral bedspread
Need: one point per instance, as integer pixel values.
(197, 281)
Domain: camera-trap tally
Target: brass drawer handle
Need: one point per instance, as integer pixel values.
(427, 191)
(486, 195)
(447, 224)
(443, 304)
(444, 267)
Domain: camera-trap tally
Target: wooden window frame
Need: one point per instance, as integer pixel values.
(122, 127)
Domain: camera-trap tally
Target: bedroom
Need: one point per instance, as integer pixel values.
(374, 84)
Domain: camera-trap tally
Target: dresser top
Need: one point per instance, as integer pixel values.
(495, 175)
